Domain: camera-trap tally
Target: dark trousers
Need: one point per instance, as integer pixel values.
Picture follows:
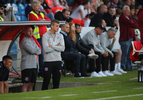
(98, 61)
(54, 69)
(41, 59)
(112, 61)
(79, 61)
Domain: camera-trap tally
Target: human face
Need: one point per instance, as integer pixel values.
(73, 27)
(132, 12)
(8, 63)
(29, 32)
(128, 2)
(66, 14)
(78, 29)
(66, 28)
(126, 12)
(55, 27)
(37, 7)
(105, 9)
(99, 31)
(132, 2)
(111, 34)
(112, 11)
(115, 1)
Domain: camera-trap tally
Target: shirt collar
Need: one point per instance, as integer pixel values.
(64, 33)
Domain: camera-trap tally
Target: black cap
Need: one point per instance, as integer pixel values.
(100, 26)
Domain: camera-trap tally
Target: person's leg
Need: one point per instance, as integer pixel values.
(26, 78)
(30, 87)
(98, 61)
(47, 74)
(25, 87)
(56, 74)
(41, 59)
(128, 56)
(73, 56)
(125, 50)
(112, 62)
(105, 62)
(118, 56)
(6, 87)
(50, 15)
(70, 2)
(1, 87)
(83, 65)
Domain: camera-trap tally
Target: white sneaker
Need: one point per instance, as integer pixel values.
(108, 73)
(92, 56)
(121, 71)
(102, 74)
(95, 74)
(116, 72)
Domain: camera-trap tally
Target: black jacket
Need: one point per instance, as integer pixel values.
(59, 16)
(4, 73)
(108, 19)
(81, 46)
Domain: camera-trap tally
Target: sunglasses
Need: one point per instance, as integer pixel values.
(2, 8)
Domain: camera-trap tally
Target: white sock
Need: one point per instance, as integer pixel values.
(116, 65)
(119, 65)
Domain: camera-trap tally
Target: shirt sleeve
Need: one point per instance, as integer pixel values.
(45, 44)
(62, 43)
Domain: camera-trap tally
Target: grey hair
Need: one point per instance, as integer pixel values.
(124, 8)
(35, 2)
(112, 29)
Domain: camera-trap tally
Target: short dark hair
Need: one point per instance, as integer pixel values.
(77, 24)
(106, 2)
(64, 24)
(111, 7)
(55, 21)
(118, 11)
(132, 7)
(64, 10)
(85, 2)
(6, 57)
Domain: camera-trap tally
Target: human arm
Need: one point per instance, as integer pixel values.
(61, 46)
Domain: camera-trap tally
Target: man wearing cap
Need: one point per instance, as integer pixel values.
(93, 38)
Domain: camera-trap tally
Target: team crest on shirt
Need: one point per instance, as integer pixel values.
(46, 68)
(26, 78)
(58, 37)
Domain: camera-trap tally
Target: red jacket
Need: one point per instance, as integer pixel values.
(140, 22)
(127, 28)
(42, 28)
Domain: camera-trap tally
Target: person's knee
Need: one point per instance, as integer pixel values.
(119, 52)
(1, 83)
(5, 83)
(26, 84)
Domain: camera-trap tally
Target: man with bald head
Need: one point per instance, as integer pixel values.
(29, 51)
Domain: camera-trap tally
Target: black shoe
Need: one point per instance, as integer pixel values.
(78, 76)
(85, 75)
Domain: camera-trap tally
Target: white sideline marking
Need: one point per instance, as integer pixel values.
(68, 95)
(105, 91)
(138, 88)
(115, 97)
(38, 97)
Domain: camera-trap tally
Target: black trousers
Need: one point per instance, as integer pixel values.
(54, 69)
(112, 61)
(79, 61)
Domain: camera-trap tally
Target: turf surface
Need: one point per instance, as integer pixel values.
(116, 87)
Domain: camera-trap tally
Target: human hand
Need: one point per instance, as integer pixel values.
(114, 39)
(59, 44)
(105, 54)
(112, 55)
(50, 46)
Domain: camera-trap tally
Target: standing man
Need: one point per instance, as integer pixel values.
(29, 50)
(5, 66)
(53, 45)
(127, 34)
(36, 15)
